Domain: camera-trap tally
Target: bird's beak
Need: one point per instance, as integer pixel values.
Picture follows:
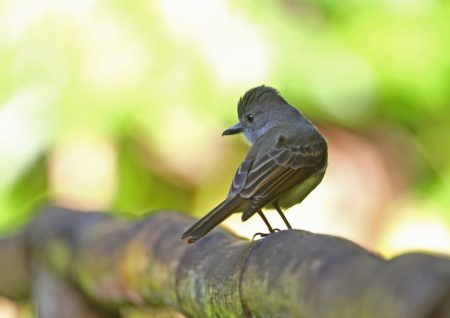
(233, 130)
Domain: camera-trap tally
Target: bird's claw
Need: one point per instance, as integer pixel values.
(263, 235)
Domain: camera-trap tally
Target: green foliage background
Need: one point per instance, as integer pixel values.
(377, 68)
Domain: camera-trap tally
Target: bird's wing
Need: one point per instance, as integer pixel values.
(277, 166)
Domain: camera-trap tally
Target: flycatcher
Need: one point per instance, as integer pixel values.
(286, 162)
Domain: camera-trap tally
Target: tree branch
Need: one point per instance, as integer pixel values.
(114, 263)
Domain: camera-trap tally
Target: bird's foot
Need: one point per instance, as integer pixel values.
(263, 235)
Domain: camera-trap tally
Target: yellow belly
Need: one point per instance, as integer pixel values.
(299, 192)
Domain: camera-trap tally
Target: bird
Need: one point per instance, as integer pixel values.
(287, 159)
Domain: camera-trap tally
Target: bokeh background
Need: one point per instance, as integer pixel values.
(120, 105)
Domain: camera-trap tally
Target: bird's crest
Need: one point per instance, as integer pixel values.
(259, 94)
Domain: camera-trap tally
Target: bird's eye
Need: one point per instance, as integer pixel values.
(250, 118)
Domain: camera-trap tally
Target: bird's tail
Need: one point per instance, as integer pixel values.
(212, 219)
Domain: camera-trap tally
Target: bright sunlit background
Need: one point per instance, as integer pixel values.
(120, 105)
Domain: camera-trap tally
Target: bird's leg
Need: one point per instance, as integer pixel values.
(265, 221)
(271, 230)
(280, 212)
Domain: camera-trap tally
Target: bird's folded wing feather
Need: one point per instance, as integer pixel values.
(280, 166)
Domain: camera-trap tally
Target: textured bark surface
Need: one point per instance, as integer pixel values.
(14, 271)
(97, 264)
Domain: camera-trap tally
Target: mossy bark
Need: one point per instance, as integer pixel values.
(112, 264)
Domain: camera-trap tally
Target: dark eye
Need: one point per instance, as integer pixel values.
(250, 118)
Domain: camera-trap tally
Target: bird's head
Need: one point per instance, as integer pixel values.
(260, 109)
